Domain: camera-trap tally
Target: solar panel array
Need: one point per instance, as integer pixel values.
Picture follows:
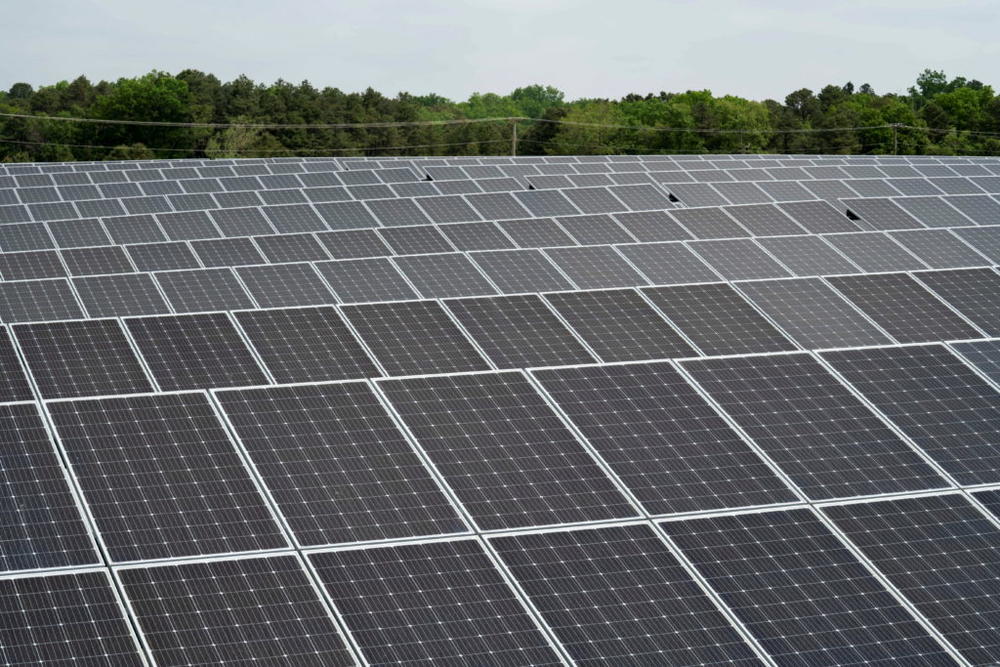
(677, 410)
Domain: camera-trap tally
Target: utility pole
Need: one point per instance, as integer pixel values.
(513, 137)
(895, 138)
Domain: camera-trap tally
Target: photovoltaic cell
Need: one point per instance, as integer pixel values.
(668, 446)
(594, 200)
(826, 440)
(932, 211)
(543, 203)
(936, 400)
(619, 325)
(162, 256)
(393, 212)
(973, 292)
(354, 244)
(764, 220)
(161, 477)
(414, 338)
(476, 236)
(717, 319)
(194, 351)
(617, 595)
(904, 308)
(518, 331)
(336, 465)
(431, 603)
(67, 619)
(595, 229)
(451, 208)
(416, 240)
(985, 240)
(306, 344)
(233, 611)
(801, 593)
(508, 457)
(943, 555)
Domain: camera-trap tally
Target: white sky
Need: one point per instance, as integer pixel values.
(587, 48)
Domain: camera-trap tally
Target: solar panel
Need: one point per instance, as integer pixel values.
(237, 610)
(943, 555)
(546, 202)
(937, 401)
(764, 220)
(72, 618)
(874, 252)
(31, 265)
(81, 358)
(595, 229)
(984, 355)
(668, 263)
(818, 217)
(709, 223)
(981, 209)
(336, 465)
(168, 457)
(973, 292)
(357, 280)
(619, 325)
(739, 259)
(818, 433)
(203, 289)
(695, 194)
(354, 244)
(595, 267)
(641, 197)
(617, 595)
(812, 314)
(476, 236)
(784, 575)
(534, 233)
(414, 338)
(305, 344)
(717, 320)
(898, 304)
(652, 226)
(162, 256)
(291, 248)
(504, 452)
(435, 602)
(932, 211)
(497, 206)
(518, 331)
(939, 248)
(514, 271)
(662, 439)
(416, 240)
(594, 200)
(37, 300)
(451, 208)
(444, 275)
(194, 351)
(285, 285)
(986, 241)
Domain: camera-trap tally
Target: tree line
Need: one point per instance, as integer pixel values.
(937, 115)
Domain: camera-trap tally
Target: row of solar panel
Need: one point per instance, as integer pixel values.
(582, 249)
(75, 186)
(161, 478)
(683, 162)
(73, 358)
(531, 598)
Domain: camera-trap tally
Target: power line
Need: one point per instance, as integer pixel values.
(469, 121)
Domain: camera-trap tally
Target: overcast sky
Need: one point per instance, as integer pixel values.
(587, 48)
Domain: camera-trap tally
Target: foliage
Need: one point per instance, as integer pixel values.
(950, 115)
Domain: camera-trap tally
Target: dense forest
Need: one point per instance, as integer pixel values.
(938, 115)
